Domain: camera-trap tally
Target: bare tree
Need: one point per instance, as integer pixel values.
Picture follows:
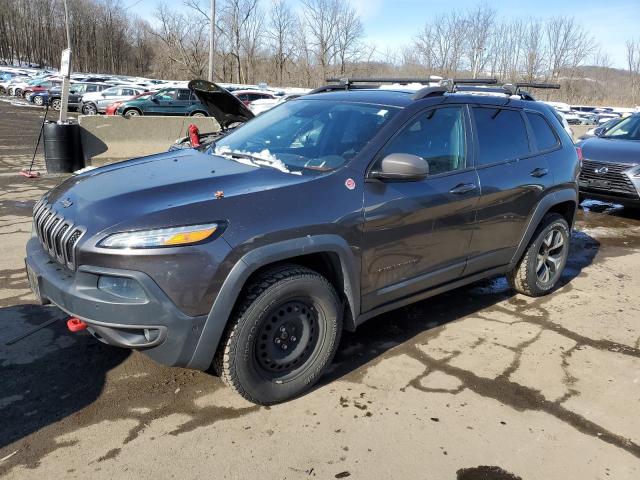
(633, 64)
(349, 35)
(184, 40)
(321, 19)
(282, 24)
(479, 25)
(568, 45)
(441, 43)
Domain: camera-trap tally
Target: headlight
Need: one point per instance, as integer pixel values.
(162, 237)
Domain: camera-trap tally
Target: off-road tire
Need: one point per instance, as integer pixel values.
(237, 358)
(524, 277)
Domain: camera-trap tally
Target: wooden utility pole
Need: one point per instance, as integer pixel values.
(212, 39)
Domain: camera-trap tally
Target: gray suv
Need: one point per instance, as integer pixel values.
(253, 253)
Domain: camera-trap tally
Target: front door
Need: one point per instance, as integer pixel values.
(416, 234)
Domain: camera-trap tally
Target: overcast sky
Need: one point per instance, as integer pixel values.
(392, 23)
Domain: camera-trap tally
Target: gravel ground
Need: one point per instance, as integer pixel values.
(476, 384)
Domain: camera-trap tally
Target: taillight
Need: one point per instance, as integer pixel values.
(580, 157)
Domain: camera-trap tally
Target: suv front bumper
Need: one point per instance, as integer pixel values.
(153, 325)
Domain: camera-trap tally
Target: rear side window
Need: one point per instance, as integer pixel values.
(502, 135)
(184, 94)
(546, 139)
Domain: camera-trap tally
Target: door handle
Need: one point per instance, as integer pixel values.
(539, 172)
(463, 188)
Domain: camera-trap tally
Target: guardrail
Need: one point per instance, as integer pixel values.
(108, 139)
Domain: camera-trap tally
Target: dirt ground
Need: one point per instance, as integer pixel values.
(477, 383)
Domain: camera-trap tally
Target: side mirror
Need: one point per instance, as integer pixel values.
(402, 167)
(598, 131)
(154, 99)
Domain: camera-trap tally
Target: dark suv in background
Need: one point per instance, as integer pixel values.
(254, 254)
(76, 91)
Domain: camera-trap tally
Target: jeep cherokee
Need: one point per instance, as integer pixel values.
(253, 255)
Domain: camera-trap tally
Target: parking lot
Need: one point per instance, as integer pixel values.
(476, 383)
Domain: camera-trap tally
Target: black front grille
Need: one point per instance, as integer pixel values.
(607, 178)
(58, 236)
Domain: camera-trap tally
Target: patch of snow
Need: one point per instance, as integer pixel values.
(265, 157)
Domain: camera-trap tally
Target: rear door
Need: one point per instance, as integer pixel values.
(182, 102)
(513, 178)
(416, 234)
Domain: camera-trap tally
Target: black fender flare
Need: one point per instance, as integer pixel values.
(225, 300)
(546, 203)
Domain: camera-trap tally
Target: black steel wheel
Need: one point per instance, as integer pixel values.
(287, 337)
(283, 336)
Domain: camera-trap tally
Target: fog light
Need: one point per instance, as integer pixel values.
(151, 335)
(122, 287)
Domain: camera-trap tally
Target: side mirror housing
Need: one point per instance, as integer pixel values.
(403, 167)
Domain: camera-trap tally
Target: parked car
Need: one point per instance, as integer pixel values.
(112, 109)
(611, 165)
(248, 96)
(602, 128)
(220, 104)
(76, 91)
(97, 102)
(263, 104)
(8, 87)
(41, 86)
(307, 220)
(168, 101)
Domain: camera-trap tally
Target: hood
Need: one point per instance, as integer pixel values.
(173, 188)
(221, 105)
(611, 150)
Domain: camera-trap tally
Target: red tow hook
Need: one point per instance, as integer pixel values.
(194, 136)
(76, 325)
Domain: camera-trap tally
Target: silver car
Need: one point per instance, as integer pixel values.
(97, 102)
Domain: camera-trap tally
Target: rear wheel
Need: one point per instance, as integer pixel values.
(56, 104)
(542, 264)
(38, 100)
(283, 336)
(17, 92)
(199, 114)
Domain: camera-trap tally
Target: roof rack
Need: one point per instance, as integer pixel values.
(401, 80)
(451, 85)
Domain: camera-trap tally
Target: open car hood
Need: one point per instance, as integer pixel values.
(221, 104)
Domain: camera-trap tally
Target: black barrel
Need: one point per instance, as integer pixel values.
(62, 147)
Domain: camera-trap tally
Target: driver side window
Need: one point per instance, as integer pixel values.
(436, 135)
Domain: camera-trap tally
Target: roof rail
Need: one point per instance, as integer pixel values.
(378, 80)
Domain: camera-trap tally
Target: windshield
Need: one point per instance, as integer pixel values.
(627, 129)
(319, 135)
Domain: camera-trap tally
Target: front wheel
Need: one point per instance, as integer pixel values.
(38, 100)
(132, 112)
(89, 109)
(199, 114)
(542, 264)
(283, 336)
